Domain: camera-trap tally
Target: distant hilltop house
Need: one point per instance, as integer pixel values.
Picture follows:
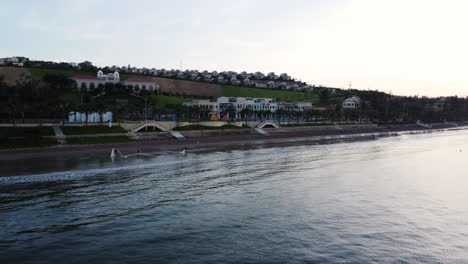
(352, 103)
(17, 61)
(91, 82)
(255, 104)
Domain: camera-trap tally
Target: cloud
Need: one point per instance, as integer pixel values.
(409, 47)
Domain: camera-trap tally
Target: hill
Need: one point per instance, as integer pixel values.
(236, 91)
(169, 86)
(12, 74)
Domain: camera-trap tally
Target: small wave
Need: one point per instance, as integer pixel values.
(76, 174)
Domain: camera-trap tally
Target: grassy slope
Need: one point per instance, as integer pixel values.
(163, 101)
(25, 137)
(8, 132)
(98, 140)
(86, 130)
(236, 91)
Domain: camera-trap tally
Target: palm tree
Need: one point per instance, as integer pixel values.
(101, 108)
(245, 113)
(118, 109)
(63, 107)
(231, 111)
(12, 110)
(41, 108)
(88, 106)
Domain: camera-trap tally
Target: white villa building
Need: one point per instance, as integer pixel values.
(91, 82)
(352, 103)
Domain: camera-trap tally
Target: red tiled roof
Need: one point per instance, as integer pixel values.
(86, 77)
(137, 80)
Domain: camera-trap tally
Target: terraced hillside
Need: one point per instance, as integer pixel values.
(12, 74)
(236, 91)
(182, 87)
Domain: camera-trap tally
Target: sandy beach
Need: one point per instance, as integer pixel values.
(237, 138)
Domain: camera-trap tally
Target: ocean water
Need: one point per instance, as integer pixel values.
(400, 199)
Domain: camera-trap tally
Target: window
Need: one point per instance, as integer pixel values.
(91, 86)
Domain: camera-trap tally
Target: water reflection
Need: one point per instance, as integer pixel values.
(399, 199)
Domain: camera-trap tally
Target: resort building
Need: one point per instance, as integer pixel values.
(91, 82)
(352, 103)
(285, 77)
(17, 61)
(208, 104)
(302, 106)
(255, 104)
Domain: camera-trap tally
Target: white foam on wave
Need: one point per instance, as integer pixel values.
(77, 174)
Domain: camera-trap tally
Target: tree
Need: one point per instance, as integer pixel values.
(231, 111)
(101, 108)
(87, 66)
(246, 113)
(324, 96)
(64, 107)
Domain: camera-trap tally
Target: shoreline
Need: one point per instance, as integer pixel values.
(199, 140)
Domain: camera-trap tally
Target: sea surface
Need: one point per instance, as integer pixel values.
(399, 199)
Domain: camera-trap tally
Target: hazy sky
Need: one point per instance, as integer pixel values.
(409, 47)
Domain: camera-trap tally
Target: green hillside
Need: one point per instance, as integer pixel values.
(163, 101)
(37, 73)
(169, 86)
(236, 91)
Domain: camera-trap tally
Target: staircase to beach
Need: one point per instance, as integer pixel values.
(175, 134)
(268, 123)
(156, 124)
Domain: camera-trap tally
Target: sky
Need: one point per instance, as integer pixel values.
(406, 47)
